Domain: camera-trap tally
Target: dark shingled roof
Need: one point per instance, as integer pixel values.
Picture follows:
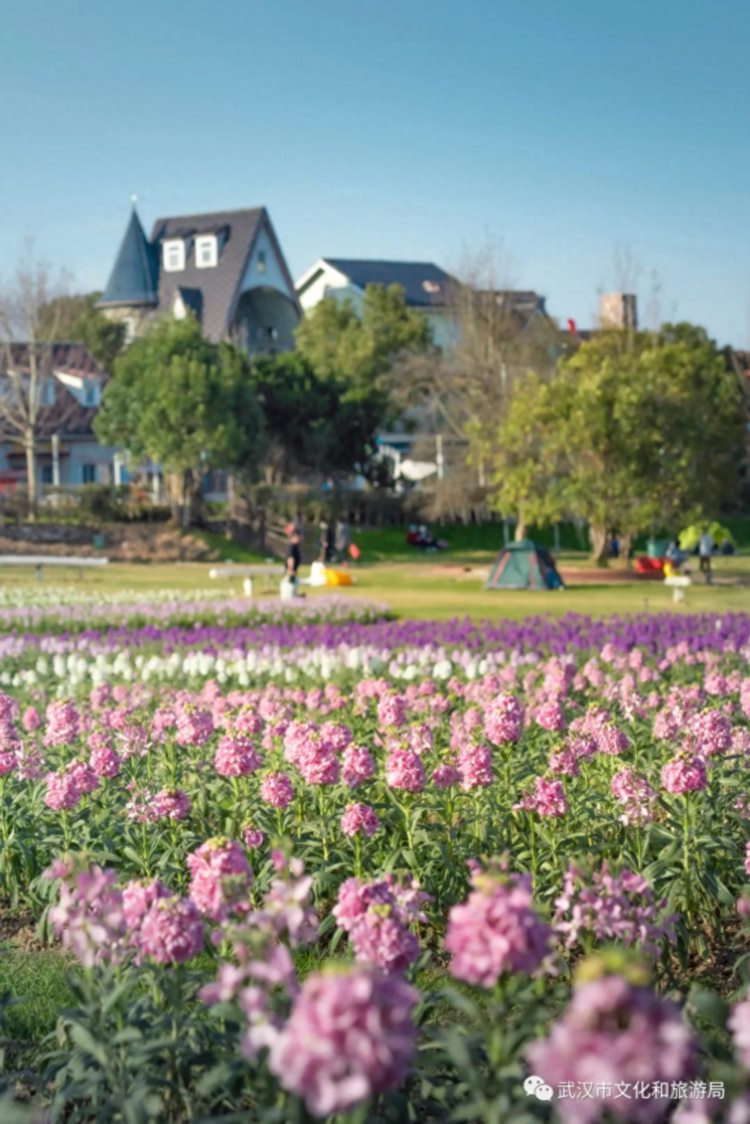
(425, 284)
(68, 416)
(219, 285)
(134, 278)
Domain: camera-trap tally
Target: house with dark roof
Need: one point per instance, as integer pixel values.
(226, 268)
(70, 385)
(427, 288)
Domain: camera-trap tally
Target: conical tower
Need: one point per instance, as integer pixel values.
(132, 292)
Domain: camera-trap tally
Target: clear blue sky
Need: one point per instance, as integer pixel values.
(421, 129)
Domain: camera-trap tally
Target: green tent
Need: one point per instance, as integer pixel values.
(524, 565)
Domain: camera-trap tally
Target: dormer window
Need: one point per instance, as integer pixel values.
(261, 261)
(206, 251)
(174, 255)
(90, 393)
(431, 287)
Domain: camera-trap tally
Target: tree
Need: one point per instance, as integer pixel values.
(26, 337)
(356, 352)
(635, 432)
(186, 404)
(77, 318)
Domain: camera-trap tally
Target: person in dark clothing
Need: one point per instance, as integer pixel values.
(294, 555)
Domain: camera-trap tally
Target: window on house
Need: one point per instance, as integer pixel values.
(48, 394)
(46, 474)
(129, 322)
(88, 472)
(90, 394)
(206, 251)
(174, 255)
(261, 261)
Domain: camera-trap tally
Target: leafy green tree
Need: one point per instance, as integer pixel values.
(77, 318)
(184, 403)
(356, 352)
(635, 432)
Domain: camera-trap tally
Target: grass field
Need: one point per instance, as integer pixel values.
(433, 586)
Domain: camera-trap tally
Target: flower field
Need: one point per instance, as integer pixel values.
(342, 867)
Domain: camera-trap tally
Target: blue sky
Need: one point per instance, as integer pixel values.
(553, 132)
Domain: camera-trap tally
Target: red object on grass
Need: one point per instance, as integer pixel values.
(354, 551)
(646, 565)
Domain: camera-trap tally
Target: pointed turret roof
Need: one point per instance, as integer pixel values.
(135, 277)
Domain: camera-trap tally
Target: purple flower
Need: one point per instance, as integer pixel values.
(684, 774)
(220, 878)
(172, 931)
(359, 819)
(277, 789)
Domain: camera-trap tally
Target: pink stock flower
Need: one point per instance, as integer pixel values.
(611, 907)
(252, 837)
(684, 774)
(496, 929)
(359, 818)
(220, 878)
(357, 766)
(63, 793)
(445, 776)
(88, 917)
(547, 798)
(615, 1032)
(503, 720)
(277, 790)
(636, 796)
(63, 724)
(747, 857)
(712, 731)
(739, 1024)
(236, 757)
(404, 770)
(376, 916)
(170, 804)
(551, 716)
(392, 711)
(350, 1036)
(172, 931)
(31, 719)
(194, 726)
(475, 767)
(138, 896)
(565, 762)
(103, 760)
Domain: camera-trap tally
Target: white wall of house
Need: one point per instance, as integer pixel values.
(330, 283)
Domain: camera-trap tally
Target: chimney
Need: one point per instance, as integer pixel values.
(618, 310)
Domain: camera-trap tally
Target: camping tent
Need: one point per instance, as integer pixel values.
(524, 565)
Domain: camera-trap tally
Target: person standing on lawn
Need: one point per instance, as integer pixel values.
(705, 553)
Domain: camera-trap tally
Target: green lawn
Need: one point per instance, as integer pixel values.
(433, 586)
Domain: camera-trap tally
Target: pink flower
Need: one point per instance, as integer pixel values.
(551, 716)
(739, 1024)
(88, 917)
(475, 767)
(350, 1036)
(404, 770)
(611, 907)
(614, 1032)
(684, 774)
(392, 711)
(170, 804)
(635, 794)
(277, 790)
(376, 916)
(357, 766)
(496, 929)
(252, 837)
(564, 762)
(194, 726)
(445, 776)
(137, 898)
(359, 818)
(547, 798)
(712, 731)
(31, 720)
(172, 931)
(503, 720)
(62, 792)
(220, 878)
(103, 760)
(63, 724)
(236, 757)
(747, 858)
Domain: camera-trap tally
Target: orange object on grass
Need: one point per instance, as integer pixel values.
(354, 551)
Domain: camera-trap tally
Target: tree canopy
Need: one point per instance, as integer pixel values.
(77, 318)
(635, 432)
(184, 403)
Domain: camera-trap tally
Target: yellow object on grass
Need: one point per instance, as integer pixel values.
(338, 577)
